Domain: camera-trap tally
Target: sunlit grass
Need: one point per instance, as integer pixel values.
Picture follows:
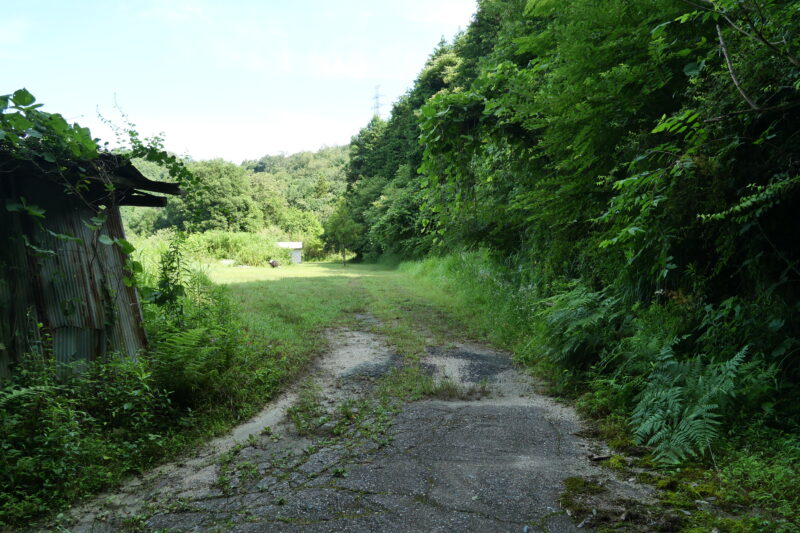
(242, 274)
(290, 307)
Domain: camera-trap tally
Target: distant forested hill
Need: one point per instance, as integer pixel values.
(293, 193)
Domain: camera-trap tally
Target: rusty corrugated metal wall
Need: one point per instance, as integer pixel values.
(75, 293)
(18, 323)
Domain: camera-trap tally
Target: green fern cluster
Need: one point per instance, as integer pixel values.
(678, 412)
(579, 325)
(202, 355)
(13, 394)
(189, 362)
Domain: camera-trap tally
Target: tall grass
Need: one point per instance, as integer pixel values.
(482, 293)
(251, 249)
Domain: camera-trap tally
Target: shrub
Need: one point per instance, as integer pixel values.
(65, 434)
(578, 325)
(190, 353)
(254, 249)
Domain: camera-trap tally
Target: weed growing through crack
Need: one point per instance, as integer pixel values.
(411, 383)
(307, 413)
(226, 468)
(267, 431)
(247, 470)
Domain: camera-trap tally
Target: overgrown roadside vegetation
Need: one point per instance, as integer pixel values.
(609, 190)
(216, 356)
(629, 190)
(67, 432)
(744, 484)
(219, 351)
(215, 363)
(747, 480)
(606, 189)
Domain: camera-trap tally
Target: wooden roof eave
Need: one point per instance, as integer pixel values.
(108, 168)
(141, 199)
(122, 179)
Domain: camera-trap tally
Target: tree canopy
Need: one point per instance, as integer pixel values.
(294, 194)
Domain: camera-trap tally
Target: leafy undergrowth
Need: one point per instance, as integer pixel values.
(707, 428)
(65, 437)
(751, 487)
(66, 434)
(212, 363)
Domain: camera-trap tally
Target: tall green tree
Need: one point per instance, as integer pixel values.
(221, 199)
(341, 231)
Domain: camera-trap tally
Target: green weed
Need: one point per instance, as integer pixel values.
(307, 413)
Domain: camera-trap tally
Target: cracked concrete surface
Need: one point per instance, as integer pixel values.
(493, 464)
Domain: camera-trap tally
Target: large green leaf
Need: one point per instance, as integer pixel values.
(22, 98)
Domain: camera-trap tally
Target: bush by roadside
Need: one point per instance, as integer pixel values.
(66, 432)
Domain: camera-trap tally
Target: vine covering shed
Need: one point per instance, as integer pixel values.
(63, 258)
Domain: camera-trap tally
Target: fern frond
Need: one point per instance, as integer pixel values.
(6, 397)
(678, 411)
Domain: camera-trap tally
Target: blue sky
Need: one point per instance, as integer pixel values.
(236, 79)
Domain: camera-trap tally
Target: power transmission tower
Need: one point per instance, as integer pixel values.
(376, 107)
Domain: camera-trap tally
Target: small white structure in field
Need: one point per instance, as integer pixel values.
(296, 248)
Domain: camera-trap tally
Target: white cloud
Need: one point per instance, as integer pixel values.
(248, 138)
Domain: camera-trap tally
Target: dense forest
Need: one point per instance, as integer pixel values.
(628, 171)
(282, 197)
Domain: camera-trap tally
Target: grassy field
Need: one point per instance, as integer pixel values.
(290, 307)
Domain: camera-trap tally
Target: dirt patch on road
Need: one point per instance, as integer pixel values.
(362, 461)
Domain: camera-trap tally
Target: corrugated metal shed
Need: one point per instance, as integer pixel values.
(67, 294)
